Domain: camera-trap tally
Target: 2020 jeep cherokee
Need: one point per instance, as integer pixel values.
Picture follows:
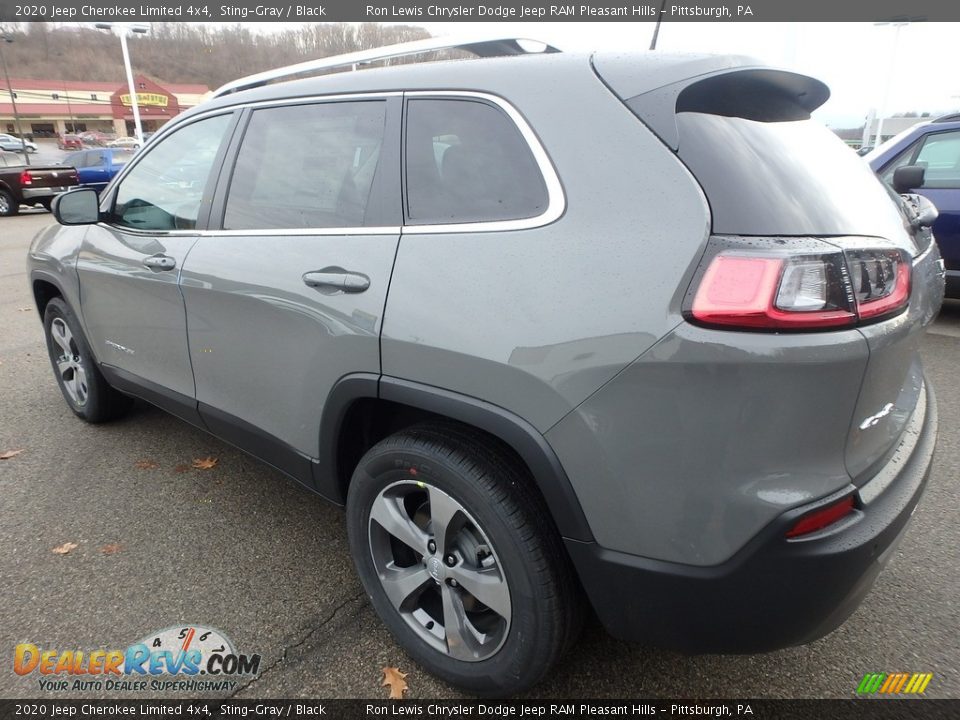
(628, 328)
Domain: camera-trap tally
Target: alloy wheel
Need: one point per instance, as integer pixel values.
(439, 570)
(73, 376)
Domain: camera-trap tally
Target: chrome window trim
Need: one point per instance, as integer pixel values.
(556, 200)
(302, 231)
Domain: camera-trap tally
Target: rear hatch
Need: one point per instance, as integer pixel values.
(769, 172)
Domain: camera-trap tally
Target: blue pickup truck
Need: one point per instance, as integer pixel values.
(935, 146)
(97, 166)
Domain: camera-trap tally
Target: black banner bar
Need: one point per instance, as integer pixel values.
(864, 709)
(473, 11)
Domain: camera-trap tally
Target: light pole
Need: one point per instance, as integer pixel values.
(7, 38)
(656, 28)
(123, 29)
(897, 25)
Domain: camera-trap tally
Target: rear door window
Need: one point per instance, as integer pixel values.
(307, 166)
(466, 161)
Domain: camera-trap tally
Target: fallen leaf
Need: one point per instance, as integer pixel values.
(65, 548)
(146, 465)
(181, 468)
(205, 463)
(111, 549)
(10, 453)
(395, 679)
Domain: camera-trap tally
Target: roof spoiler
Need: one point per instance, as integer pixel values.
(490, 47)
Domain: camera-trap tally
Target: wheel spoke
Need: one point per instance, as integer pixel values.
(486, 585)
(443, 511)
(388, 513)
(62, 336)
(80, 377)
(403, 585)
(64, 366)
(455, 625)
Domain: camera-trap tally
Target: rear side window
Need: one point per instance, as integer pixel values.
(466, 161)
(306, 166)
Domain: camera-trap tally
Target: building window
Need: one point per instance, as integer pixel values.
(142, 86)
(54, 96)
(93, 97)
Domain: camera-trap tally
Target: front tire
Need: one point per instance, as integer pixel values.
(460, 560)
(84, 388)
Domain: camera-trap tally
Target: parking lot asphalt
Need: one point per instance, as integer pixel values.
(242, 549)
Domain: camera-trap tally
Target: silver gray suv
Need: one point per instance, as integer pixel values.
(621, 332)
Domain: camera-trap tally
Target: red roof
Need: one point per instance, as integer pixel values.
(107, 87)
(29, 108)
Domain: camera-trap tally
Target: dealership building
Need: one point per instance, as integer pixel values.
(51, 107)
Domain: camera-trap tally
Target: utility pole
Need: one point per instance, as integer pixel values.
(7, 38)
(656, 28)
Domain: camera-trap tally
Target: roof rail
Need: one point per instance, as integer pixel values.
(490, 47)
(952, 117)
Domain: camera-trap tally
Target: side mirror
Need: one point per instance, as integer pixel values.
(908, 177)
(77, 207)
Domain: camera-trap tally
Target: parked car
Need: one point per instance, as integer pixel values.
(124, 142)
(95, 138)
(69, 142)
(97, 167)
(31, 185)
(534, 351)
(934, 146)
(11, 143)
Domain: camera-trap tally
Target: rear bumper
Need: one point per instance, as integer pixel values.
(44, 192)
(774, 593)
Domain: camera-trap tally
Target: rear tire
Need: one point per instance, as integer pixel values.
(463, 519)
(8, 206)
(84, 388)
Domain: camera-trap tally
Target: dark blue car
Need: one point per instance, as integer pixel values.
(98, 166)
(934, 146)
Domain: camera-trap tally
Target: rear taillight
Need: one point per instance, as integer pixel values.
(822, 518)
(26, 178)
(880, 280)
(753, 287)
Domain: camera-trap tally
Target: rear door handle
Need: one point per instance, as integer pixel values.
(159, 263)
(335, 279)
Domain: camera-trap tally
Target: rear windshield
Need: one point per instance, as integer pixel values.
(783, 178)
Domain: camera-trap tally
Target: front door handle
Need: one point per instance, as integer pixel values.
(334, 279)
(159, 263)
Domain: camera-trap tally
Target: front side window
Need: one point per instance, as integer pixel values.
(466, 162)
(940, 155)
(306, 166)
(165, 190)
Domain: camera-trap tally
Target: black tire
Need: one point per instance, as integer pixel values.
(489, 484)
(8, 206)
(46, 204)
(98, 402)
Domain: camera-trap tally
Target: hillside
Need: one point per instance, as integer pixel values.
(184, 53)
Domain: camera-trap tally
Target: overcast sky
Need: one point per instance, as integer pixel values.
(854, 59)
